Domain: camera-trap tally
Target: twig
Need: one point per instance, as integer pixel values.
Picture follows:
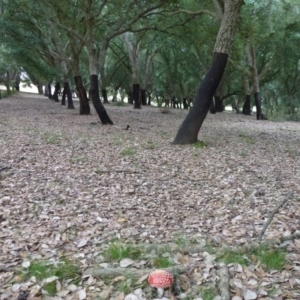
(290, 194)
(130, 272)
(224, 282)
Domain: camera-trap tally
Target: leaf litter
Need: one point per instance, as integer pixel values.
(69, 187)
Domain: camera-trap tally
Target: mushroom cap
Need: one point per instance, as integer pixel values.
(160, 279)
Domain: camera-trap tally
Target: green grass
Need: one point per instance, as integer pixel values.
(161, 262)
(208, 293)
(199, 145)
(65, 269)
(117, 252)
(119, 103)
(271, 259)
(248, 139)
(128, 152)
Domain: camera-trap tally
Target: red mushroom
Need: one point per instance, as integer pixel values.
(160, 279)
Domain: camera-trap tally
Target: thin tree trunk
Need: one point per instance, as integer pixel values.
(94, 92)
(219, 104)
(68, 93)
(212, 108)
(56, 91)
(104, 95)
(143, 97)
(49, 91)
(247, 106)
(188, 131)
(63, 98)
(136, 96)
(84, 108)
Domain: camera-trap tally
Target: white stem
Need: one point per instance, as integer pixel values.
(160, 292)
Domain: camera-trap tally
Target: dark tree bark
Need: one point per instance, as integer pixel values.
(185, 104)
(94, 92)
(84, 108)
(49, 91)
(63, 98)
(56, 91)
(136, 96)
(149, 99)
(219, 104)
(104, 95)
(130, 97)
(188, 131)
(257, 100)
(68, 93)
(46, 91)
(212, 108)
(17, 82)
(247, 106)
(143, 97)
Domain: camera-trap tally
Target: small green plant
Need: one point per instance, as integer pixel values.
(65, 269)
(208, 293)
(199, 145)
(119, 103)
(161, 262)
(248, 139)
(271, 259)
(230, 257)
(50, 288)
(128, 152)
(117, 252)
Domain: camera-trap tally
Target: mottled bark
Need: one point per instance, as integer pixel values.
(68, 93)
(188, 131)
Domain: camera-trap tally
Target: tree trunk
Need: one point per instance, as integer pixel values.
(56, 91)
(49, 91)
(219, 104)
(188, 131)
(212, 108)
(143, 97)
(68, 93)
(257, 100)
(63, 98)
(247, 106)
(17, 82)
(149, 98)
(130, 97)
(40, 88)
(136, 96)
(94, 92)
(84, 108)
(185, 104)
(104, 95)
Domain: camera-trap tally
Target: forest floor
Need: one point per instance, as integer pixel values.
(75, 191)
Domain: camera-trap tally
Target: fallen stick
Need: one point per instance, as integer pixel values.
(290, 194)
(130, 272)
(224, 282)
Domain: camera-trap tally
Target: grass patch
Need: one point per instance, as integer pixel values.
(199, 145)
(41, 270)
(161, 262)
(119, 103)
(117, 252)
(271, 259)
(248, 139)
(128, 152)
(208, 293)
